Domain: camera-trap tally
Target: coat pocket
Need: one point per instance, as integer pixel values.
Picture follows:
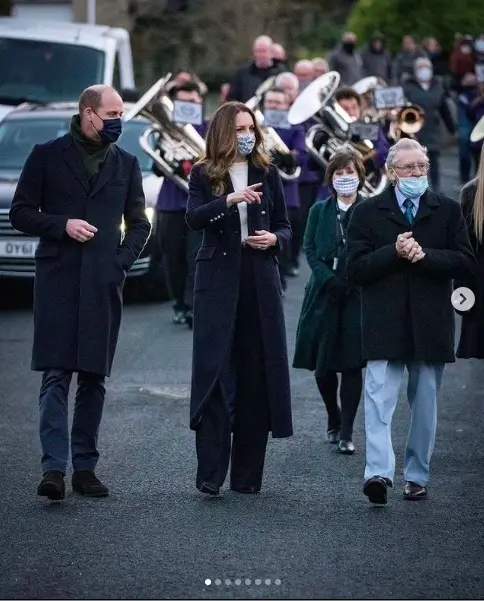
(204, 268)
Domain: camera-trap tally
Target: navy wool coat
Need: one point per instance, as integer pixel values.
(78, 286)
(407, 312)
(216, 289)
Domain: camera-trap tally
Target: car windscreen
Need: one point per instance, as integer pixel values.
(46, 71)
(19, 136)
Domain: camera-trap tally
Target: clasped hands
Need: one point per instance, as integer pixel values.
(408, 248)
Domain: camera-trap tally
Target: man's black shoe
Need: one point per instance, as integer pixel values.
(85, 482)
(376, 490)
(52, 486)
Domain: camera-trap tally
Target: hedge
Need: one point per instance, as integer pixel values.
(395, 18)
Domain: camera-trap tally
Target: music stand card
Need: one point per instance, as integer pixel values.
(276, 118)
(388, 98)
(365, 131)
(480, 73)
(187, 112)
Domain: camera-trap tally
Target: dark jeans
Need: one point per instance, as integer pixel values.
(350, 393)
(54, 433)
(179, 246)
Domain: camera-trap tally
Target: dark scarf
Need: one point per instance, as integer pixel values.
(93, 152)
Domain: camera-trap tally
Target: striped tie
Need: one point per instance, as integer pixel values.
(408, 204)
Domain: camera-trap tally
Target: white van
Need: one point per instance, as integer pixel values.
(45, 62)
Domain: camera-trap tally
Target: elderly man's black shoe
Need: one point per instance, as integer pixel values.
(52, 486)
(86, 483)
(376, 490)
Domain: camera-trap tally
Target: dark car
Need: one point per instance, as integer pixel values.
(32, 124)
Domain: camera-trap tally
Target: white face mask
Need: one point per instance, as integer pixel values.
(424, 74)
(346, 185)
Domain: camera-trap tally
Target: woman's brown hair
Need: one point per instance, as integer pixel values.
(341, 160)
(478, 208)
(221, 145)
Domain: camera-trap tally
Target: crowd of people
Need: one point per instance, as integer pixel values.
(381, 266)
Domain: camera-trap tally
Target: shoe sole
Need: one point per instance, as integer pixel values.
(50, 491)
(208, 490)
(346, 452)
(90, 494)
(376, 493)
(412, 498)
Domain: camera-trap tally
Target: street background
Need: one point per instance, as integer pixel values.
(311, 528)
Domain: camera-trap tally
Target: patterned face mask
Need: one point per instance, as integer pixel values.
(245, 143)
(346, 185)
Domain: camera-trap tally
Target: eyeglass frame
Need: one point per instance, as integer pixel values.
(412, 167)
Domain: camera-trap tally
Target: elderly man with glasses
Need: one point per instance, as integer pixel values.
(405, 246)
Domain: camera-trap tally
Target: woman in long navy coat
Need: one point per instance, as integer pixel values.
(328, 338)
(240, 379)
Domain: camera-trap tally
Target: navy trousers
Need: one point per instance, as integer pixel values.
(54, 428)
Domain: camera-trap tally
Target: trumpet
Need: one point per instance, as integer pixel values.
(273, 143)
(174, 143)
(408, 121)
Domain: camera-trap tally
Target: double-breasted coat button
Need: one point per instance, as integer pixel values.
(225, 254)
(262, 212)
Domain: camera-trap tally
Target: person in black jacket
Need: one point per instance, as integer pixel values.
(251, 75)
(74, 194)
(471, 343)
(405, 246)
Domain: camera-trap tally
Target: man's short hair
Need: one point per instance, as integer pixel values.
(188, 86)
(347, 93)
(286, 76)
(403, 144)
(91, 97)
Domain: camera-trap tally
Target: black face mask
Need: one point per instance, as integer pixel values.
(349, 47)
(112, 129)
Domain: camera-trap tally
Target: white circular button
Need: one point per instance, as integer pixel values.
(462, 299)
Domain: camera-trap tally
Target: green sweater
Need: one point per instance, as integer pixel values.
(93, 152)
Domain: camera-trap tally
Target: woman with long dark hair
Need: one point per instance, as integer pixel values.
(240, 377)
(328, 338)
(471, 343)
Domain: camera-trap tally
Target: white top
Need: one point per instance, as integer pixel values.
(342, 206)
(239, 174)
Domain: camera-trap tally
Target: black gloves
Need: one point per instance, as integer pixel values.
(337, 289)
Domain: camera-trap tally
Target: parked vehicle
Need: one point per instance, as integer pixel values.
(44, 62)
(33, 124)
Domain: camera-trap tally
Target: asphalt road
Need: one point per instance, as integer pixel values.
(311, 534)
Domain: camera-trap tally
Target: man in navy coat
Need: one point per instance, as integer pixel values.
(83, 197)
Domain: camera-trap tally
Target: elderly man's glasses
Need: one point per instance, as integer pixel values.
(412, 167)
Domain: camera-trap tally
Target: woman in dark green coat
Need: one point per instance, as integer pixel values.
(328, 338)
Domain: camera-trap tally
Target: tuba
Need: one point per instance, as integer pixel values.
(174, 143)
(333, 125)
(272, 141)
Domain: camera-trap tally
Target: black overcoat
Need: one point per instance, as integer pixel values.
(78, 286)
(406, 307)
(471, 343)
(216, 289)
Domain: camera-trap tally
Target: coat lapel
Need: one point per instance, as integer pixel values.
(107, 171)
(73, 158)
(388, 202)
(427, 205)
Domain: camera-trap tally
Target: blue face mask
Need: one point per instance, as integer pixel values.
(413, 187)
(245, 143)
(112, 129)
